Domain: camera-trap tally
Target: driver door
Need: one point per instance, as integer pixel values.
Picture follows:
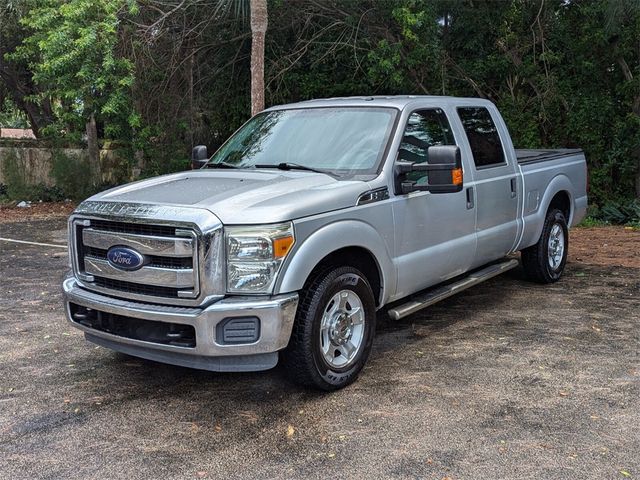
(435, 232)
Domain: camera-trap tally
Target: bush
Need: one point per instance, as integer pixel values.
(17, 186)
(72, 175)
(621, 213)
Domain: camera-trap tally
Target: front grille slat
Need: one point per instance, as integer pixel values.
(154, 261)
(135, 228)
(137, 288)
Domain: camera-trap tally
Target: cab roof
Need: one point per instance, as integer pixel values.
(394, 101)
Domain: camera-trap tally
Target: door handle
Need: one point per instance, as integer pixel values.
(469, 198)
(513, 188)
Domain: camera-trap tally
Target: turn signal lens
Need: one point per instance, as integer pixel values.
(456, 176)
(281, 246)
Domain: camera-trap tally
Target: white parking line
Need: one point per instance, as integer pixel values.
(32, 243)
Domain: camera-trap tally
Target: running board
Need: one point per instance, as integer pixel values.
(421, 301)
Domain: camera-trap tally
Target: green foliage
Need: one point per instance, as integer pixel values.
(19, 188)
(71, 51)
(70, 173)
(162, 76)
(11, 116)
(621, 213)
(590, 221)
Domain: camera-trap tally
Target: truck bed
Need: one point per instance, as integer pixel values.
(534, 156)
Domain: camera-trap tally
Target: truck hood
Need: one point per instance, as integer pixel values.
(243, 196)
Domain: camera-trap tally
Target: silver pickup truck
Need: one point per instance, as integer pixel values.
(311, 220)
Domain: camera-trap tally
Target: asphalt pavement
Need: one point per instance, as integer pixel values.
(506, 380)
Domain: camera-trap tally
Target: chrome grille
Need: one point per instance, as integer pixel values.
(171, 257)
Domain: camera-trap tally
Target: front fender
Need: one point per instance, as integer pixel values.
(328, 239)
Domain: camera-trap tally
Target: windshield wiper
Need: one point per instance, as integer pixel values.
(221, 165)
(295, 166)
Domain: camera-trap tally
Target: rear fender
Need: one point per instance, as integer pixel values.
(534, 221)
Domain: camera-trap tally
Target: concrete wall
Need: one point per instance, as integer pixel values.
(35, 161)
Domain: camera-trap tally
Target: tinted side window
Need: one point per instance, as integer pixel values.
(424, 129)
(483, 136)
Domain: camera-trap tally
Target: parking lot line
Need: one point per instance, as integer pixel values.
(32, 243)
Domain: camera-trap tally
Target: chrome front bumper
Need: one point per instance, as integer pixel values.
(276, 315)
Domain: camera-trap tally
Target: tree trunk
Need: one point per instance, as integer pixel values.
(94, 150)
(259, 22)
(20, 87)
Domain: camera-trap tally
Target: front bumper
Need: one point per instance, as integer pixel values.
(275, 314)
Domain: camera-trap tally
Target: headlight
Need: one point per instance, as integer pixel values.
(254, 256)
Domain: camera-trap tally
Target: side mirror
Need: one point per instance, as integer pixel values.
(444, 170)
(199, 157)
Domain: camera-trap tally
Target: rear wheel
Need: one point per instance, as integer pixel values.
(544, 262)
(333, 331)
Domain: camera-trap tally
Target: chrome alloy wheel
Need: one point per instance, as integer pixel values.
(555, 250)
(342, 329)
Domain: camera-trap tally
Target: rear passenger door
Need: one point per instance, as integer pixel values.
(495, 185)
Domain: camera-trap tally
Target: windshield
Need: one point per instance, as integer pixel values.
(342, 140)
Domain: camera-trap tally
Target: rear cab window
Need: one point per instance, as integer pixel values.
(483, 136)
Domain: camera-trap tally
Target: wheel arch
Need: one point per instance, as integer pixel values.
(558, 194)
(562, 201)
(351, 243)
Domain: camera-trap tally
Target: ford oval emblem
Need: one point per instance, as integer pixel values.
(125, 258)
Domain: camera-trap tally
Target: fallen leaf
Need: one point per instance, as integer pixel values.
(290, 431)
(624, 473)
(218, 428)
(252, 417)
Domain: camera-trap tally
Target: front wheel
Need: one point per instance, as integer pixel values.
(333, 331)
(544, 262)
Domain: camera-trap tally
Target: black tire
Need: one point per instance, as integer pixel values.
(303, 358)
(535, 259)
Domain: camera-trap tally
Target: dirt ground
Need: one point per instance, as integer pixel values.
(36, 211)
(506, 380)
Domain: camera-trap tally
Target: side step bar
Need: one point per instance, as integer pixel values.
(423, 300)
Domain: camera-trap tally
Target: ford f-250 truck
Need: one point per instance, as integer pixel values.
(307, 223)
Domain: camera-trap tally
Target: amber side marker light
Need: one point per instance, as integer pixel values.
(281, 246)
(456, 176)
